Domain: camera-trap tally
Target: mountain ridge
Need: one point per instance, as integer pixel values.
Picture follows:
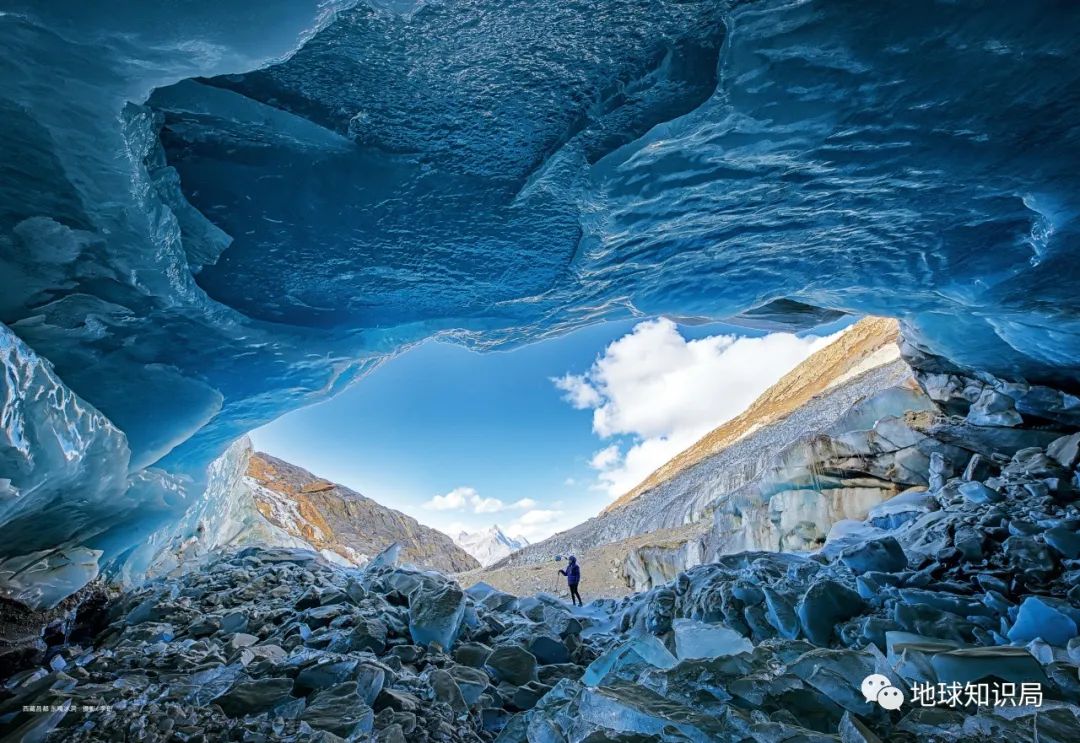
(334, 518)
(489, 545)
(836, 363)
(678, 500)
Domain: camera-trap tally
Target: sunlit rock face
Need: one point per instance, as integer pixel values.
(213, 214)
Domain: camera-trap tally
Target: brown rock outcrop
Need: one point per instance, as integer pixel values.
(335, 518)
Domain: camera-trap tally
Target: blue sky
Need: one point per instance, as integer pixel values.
(536, 439)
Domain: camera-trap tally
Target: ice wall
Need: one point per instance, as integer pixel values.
(214, 212)
(72, 508)
(52, 446)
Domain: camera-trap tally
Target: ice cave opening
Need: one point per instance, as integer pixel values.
(212, 213)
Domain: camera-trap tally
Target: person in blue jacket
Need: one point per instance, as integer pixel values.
(573, 577)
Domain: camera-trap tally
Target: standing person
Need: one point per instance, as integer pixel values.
(573, 577)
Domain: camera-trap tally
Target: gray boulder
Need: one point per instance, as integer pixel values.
(471, 681)
(447, 690)
(978, 468)
(396, 700)
(370, 679)
(368, 634)
(977, 493)
(877, 555)
(548, 649)
(324, 675)
(1029, 556)
(994, 409)
(1065, 451)
(1032, 462)
(825, 604)
(436, 616)
(1063, 540)
(513, 664)
(473, 654)
(249, 697)
(340, 711)
(526, 696)
(853, 730)
(781, 614)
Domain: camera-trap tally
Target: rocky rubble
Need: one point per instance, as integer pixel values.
(278, 644)
(974, 581)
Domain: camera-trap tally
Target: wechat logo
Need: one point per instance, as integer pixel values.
(878, 688)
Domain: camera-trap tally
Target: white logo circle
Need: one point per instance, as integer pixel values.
(890, 697)
(873, 684)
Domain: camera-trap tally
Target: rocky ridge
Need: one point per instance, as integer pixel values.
(341, 523)
(869, 343)
(774, 457)
(489, 545)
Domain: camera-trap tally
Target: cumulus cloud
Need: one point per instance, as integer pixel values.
(454, 528)
(538, 516)
(454, 500)
(537, 524)
(579, 392)
(466, 498)
(658, 392)
(606, 458)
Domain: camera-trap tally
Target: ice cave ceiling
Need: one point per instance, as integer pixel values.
(213, 212)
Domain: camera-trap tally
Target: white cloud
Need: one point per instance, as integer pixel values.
(463, 498)
(538, 516)
(664, 392)
(569, 482)
(641, 460)
(453, 528)
(606, 458)
(538, 524)
(452, 501)
(487, 505)
(579, 392)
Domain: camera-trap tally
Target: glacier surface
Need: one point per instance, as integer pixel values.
(216, 212)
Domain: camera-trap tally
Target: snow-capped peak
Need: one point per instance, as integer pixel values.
(489, 545)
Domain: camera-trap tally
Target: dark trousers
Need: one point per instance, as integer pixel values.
(574, 593)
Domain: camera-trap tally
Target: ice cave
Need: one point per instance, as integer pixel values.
(214, 213)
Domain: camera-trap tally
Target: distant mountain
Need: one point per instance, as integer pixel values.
(341, 523)
(869, 344)
(728, 491)
(490, 545)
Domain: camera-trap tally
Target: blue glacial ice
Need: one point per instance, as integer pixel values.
(215, 213)
(436, 616)
(1039, 618)
(695, 639)
(628, 659)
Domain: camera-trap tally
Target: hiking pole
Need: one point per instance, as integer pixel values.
(557, 592)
